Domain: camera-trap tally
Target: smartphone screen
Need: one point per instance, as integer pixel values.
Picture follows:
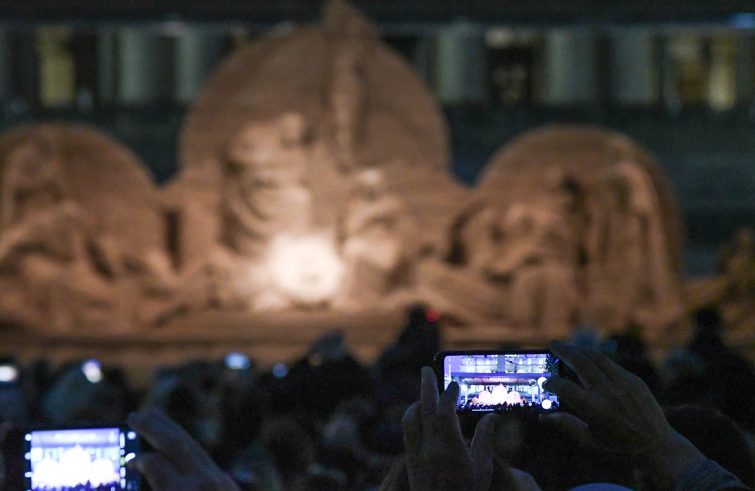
(500, 381)
(80, 459)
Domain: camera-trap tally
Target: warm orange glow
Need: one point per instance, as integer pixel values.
(307, 269)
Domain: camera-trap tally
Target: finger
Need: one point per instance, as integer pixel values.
(589, 374)
(481, 451)
(428, 400)
(168, 438)
(412, 426)
(575, 396)
(570, 425)
(447, 400)
(612, 370)
(159, 472)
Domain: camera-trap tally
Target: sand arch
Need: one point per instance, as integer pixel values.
(110, 184)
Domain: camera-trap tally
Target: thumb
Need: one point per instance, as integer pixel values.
(572, 426)
(481, 451)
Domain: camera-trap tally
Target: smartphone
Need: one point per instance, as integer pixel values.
(499, 381)
(66, 459)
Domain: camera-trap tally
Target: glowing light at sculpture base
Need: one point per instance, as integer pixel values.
(306, 269)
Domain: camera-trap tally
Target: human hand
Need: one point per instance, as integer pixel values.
(437, 456)
(614, 409)
(178, 462)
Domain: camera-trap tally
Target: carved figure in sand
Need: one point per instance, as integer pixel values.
(61, 267)
(217, 282)
(372, 236)
(531, 250)
(52, 274)
(738, 268)
(480, 233)
(265, 195)
(264, 189)
(629, 272)
(537, 264)
(738, 263)
(355, 42)
(568, 199)
(565, 181)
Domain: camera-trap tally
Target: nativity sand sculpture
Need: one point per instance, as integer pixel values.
(315, 175)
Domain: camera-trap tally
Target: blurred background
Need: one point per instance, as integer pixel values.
(678, 79)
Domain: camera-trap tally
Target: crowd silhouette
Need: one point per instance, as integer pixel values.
(327, 422)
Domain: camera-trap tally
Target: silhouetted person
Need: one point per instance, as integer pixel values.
(319, 381)
(629, 350)
(399, 366)
(730, 378)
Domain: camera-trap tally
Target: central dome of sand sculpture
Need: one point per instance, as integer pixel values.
(322, 133)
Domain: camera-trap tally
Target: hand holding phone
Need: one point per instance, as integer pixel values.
(500, 381)
(617, 412)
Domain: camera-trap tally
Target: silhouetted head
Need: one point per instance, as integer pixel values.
(708, 318)
(290, 447)
(708, 324)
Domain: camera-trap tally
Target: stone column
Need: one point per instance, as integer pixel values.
(139, 66)
(460, 68)
(684, 76)
(722, 94)
(568, 70)
(633, 69)
(57, 79)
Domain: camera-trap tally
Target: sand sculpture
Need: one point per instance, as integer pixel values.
(732, 290)
(629, 273)
(375, 242)
(265, 192)
(81, 231)
(738, 264)
(738, 270)
(578, 226)
(314, 175)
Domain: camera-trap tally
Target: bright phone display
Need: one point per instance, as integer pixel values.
(81, 459)
(500, 380)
